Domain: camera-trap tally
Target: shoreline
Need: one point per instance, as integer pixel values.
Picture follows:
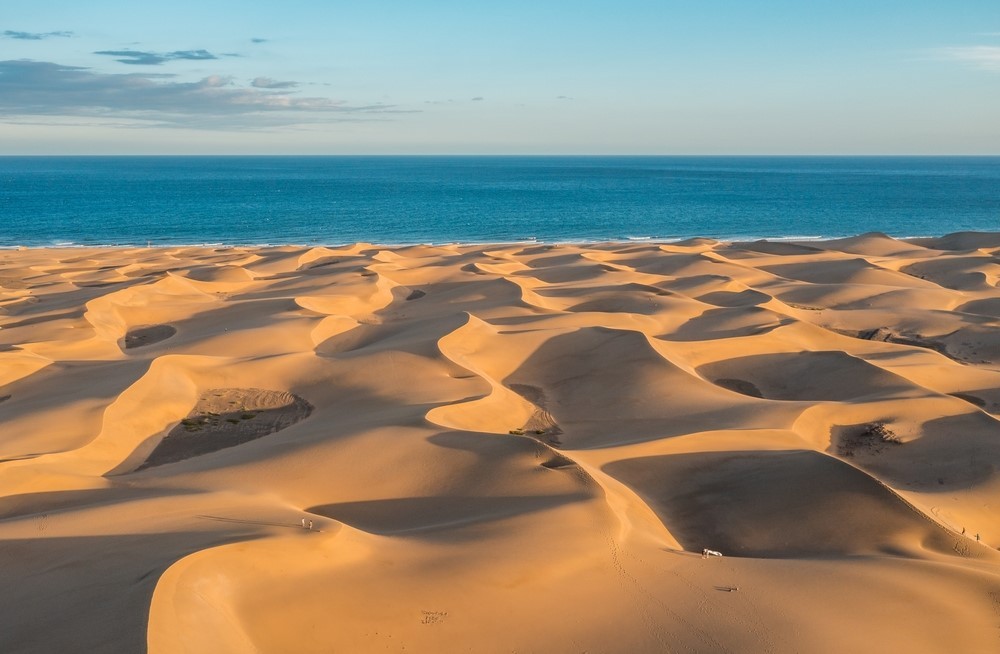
(989, 235)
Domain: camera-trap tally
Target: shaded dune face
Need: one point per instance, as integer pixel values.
(787, 504)
(804, 376)
(519, 447)
(719, 323)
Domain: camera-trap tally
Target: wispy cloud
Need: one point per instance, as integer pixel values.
(39, 88)
(268, 83)
(35, 36)
(258, 40)
(143, 58)
(985, 57)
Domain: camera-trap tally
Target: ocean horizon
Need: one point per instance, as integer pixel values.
(63, 201)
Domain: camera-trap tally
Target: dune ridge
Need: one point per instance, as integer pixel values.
(519, 447)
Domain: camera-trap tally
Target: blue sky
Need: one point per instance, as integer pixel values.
(632, 76)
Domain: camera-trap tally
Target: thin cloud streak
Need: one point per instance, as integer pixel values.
(39, 88)
(35, 36)
(984, 57)
(268, 83)
(143, 58)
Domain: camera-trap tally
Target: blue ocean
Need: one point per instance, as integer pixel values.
(47, 201)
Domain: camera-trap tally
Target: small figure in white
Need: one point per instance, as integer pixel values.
(303, 523)
(705, 553)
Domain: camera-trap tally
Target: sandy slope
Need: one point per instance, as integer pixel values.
(508, 448)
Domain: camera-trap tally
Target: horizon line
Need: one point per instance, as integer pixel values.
(520, 155)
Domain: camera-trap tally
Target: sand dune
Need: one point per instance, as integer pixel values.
(778, 504)
(502, 448)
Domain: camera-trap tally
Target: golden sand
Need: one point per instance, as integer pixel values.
(507, 448)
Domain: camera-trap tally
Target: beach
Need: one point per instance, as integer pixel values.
(521, 447)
